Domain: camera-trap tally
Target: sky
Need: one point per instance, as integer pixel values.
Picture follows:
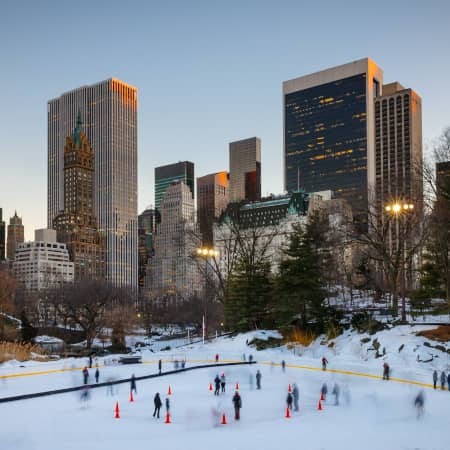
(208, 73)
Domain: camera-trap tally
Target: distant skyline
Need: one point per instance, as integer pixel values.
(208, 73)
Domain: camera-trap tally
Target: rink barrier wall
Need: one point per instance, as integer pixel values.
(124, 380)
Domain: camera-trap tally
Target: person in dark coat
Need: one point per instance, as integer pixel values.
(133, 384)
(283, 365)
(237, 402)
(159, 366)
(90, 361)
(386, 370)
(250, 358)
(217, 385)
(97, 375)
(335, 392)
(443, 380)
(258, 379)
(435, 377)
(157, 402)
(324, 390)
(167, 405)
(448, 381)
(85, 375)
(324, 363)
(222, 383)
(418, 403)
(295, 395)
(289, 400)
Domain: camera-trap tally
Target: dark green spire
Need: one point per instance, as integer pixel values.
(77, 131)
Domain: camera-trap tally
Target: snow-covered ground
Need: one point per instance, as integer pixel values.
(374, 414)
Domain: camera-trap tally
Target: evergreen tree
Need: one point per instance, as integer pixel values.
(249, 294)
(299, 285)
(27, 331)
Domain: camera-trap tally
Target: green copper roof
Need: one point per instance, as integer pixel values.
(77, 130)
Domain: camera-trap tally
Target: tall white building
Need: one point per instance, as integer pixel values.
(174, 271)
(109, 113)
(43, 263)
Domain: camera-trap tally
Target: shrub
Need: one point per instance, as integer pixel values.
(21, 352)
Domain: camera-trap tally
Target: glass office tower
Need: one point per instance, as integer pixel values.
(328, 131)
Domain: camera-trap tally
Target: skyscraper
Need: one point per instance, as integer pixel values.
(398, 147)
(2, 236)
(15, 235)
(329, 131)
(245, 170)
(76, 225)
(146, 234)
(212, 200)
(166, 175)
(174, 273)
(109, 111)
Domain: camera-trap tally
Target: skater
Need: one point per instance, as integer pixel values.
(110, 387)
(258, 379)
(335, 392)
(324, 363)
(217, 385)
(295, 395)
(237, 402)
(250, 359)
(157, 402)
(418, 403)
(386, 370)
(289, 400)
(167, 402)
(243, 357)
(448, 381)
(159, 366)
(90, 361)
(222, 383)
(324, 390)
(435, 377)
(250, 381)
(97, 375)
(133, 384)
(283, 365)
(217, 357)
(443, 380)
(84, 394)
(183, 364)
(85, 375)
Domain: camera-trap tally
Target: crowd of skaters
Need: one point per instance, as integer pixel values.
(292, 399)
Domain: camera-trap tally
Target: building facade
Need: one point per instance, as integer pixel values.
(44, 263)
(76, 225)
(329, 131)
(245, 170)
(109, 111)
(443, 178)
(15, 235)
(398, 147)
(146, 233)
(266, 224)
(166, 175)
(2, 237)
(212, 200)
(173, 272)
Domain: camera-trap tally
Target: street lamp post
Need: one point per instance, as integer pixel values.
(396, 209)
(206, 253)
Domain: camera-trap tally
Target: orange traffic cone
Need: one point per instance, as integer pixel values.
(288, 413)
(237, 386)
(117, 416)
(224, 419)
(289, 387)
(131, 397)
(169, 392)
(319, 405)
(322, 397)
(210, 386)
(167, 417)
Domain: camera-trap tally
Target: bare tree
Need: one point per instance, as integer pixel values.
(84, 304)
